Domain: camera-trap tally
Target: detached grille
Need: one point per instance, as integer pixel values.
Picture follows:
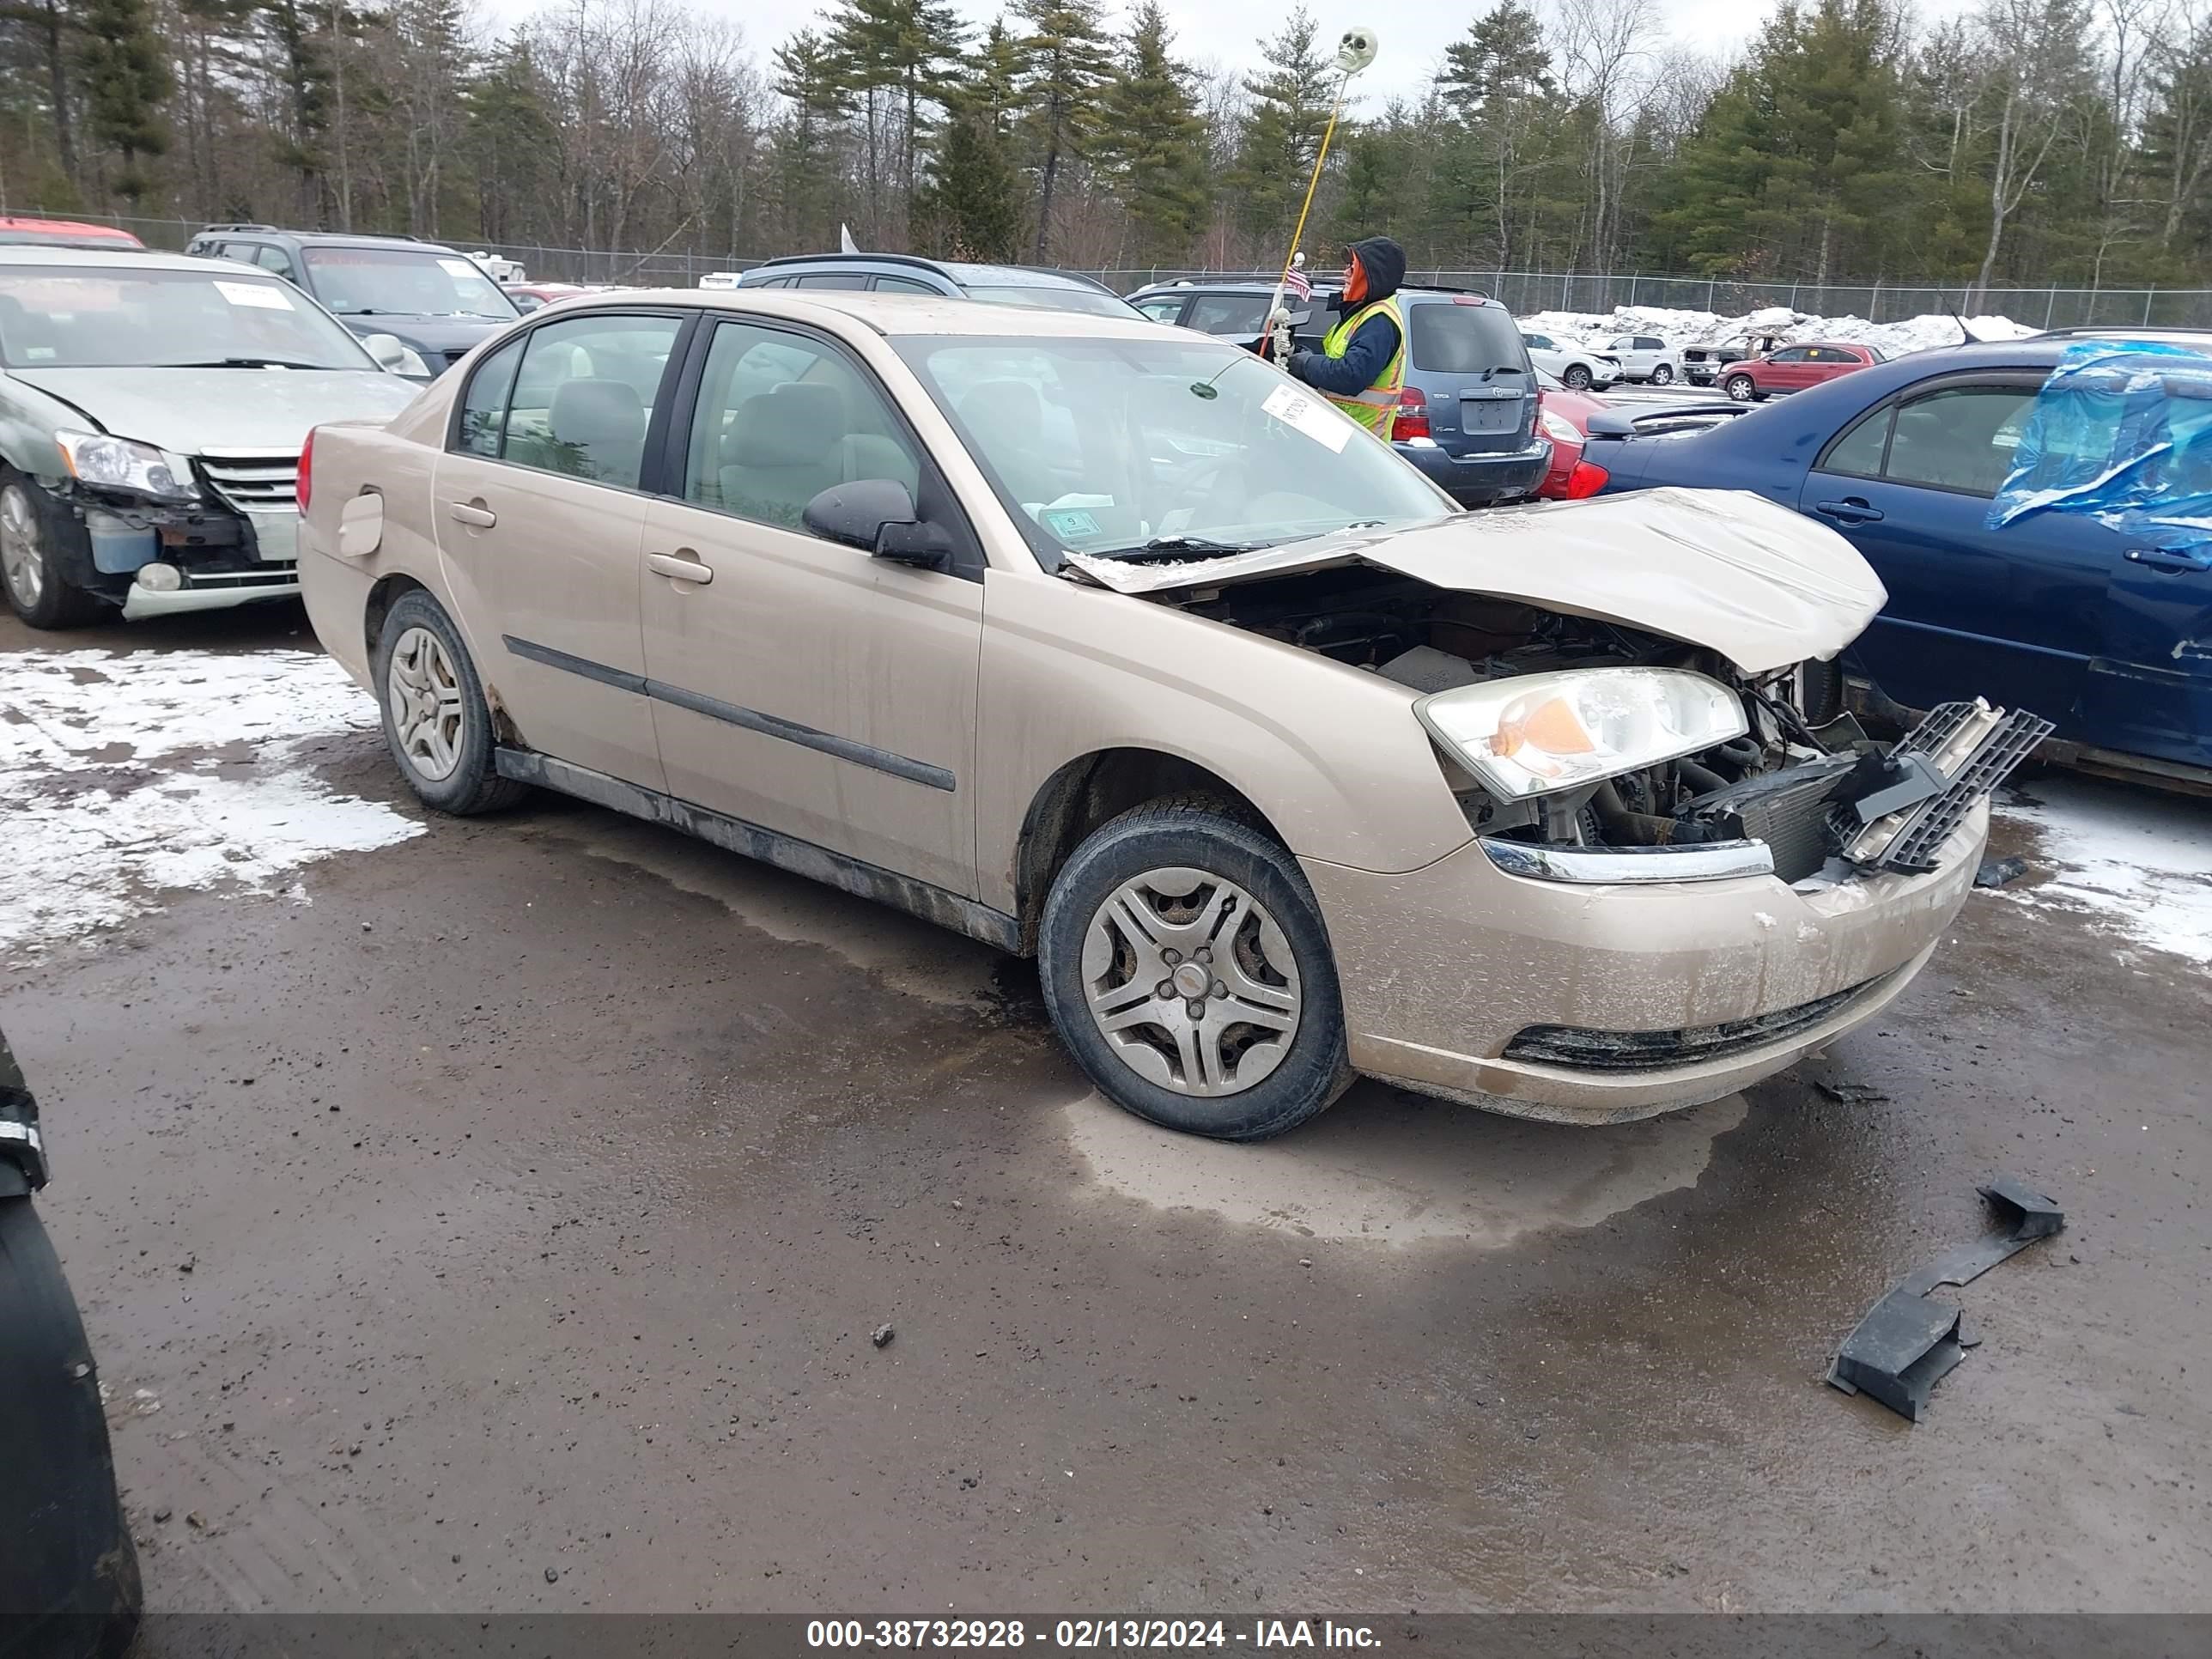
(1587, 1050)
(254, 484)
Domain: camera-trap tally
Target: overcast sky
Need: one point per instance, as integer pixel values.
(1414, 33)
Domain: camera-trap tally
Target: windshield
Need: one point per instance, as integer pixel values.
(362, 282)
(126, 317)
(1106, 445)
(1088, 300)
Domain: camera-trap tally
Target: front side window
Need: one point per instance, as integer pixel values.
(404, 282)
(1792, 354)
(1163, 310)
(1539, 342)
(583, 396)
(275, 259)
(1961, 438)
(1105, 446)
(129, 317)
(782, 417)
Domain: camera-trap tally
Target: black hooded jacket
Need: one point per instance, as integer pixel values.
(1372, 349)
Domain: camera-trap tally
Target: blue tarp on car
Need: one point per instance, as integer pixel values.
(2122, 432)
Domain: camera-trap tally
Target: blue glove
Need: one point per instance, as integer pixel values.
(1298, 360)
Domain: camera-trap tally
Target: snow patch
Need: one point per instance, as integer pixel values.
(96, 828)
(1685, 328)
(2135, 863)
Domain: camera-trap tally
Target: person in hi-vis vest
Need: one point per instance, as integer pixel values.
(1361, 365)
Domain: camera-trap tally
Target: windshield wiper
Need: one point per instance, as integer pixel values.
(245, 362)
(1165, 546)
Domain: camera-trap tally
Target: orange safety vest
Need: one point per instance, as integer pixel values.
(1376, 408)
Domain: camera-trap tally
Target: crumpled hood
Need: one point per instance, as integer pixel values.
(1725, 570)
(194, 411)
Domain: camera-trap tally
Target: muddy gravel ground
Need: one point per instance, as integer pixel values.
(497, 1219)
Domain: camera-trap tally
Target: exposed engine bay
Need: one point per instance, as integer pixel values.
(1809, 793)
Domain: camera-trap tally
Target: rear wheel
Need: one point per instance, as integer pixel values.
(436, 722)
(1663, 376)
(1576, 378)
(31, 533)
(1185, 965)
(1741, 389)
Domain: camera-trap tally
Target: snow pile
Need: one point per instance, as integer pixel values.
(1685, 328)
(2135, 864)
(123, 776)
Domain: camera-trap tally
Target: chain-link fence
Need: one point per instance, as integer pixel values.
(1523, 292)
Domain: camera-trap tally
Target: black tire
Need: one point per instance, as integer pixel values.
(473, 786)
(68, 1573)
(57, 541)
(1312, 1071)
(1576, 378)
(1663, 376)
(1741, 389)
(1820, 690)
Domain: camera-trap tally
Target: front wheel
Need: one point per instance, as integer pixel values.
(1576, 378)
(1663, 376)
(1741, 389)
(1185, 965)
(31, 531)
(436, 722)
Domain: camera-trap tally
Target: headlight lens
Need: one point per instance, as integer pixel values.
(1558, 428)
(1544, 733)
(119, 464)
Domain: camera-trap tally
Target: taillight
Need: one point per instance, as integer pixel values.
(307, 467)
(1412, 414)
(1586, 480)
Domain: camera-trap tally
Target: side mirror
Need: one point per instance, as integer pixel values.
(878, 516)
(1611, 423)
(390, 351)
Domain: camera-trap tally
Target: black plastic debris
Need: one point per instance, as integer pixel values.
(1906, 1343)
(1995, 872)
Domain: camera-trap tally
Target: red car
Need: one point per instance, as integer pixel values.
(1792, 368)
(64, 233)
(1563, 415)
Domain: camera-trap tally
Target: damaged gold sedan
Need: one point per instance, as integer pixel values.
(1106, 643)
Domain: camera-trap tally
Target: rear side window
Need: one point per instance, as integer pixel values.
(1647, 343)
(832, 279)
(1237, 314)
(901, 285)
(1961, 438)
(483, 408)
(584, 396)
(1457, 339)
(1162, 310)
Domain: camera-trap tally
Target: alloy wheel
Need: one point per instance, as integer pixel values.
(1192, 982)
(1662, 376)
(1739, 390)
(1577, 379)
(22, 559)
(425, 695)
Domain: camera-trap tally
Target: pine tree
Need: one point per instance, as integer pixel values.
(1496, 90)
(805, 159)
(1152, 139)
(510, 133)
(1282, 131)
(1069, 63)
(1502, 57)
(910, 48)
(971, 207)
(126, 79)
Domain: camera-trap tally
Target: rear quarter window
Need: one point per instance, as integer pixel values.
(1457, 339)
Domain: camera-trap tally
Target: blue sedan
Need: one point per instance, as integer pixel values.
(2107, 632)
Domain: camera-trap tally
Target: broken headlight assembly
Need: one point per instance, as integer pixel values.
(124, 466)
(1539, 733)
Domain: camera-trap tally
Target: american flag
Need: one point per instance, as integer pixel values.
(1297, 285)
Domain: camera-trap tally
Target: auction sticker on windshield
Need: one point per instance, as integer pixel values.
(259, 297)
(1293, 407)
(459, 267)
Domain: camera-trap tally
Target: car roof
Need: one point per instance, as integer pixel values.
(89, 253)
(75, 230)
(965, 274)
(893, 315)
(322, 238)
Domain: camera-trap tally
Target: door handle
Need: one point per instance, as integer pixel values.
(682, 567)
(1850, 510)
(475, 514)
(2168, 558)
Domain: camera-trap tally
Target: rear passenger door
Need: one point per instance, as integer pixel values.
(797, 683)
(539, 503)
